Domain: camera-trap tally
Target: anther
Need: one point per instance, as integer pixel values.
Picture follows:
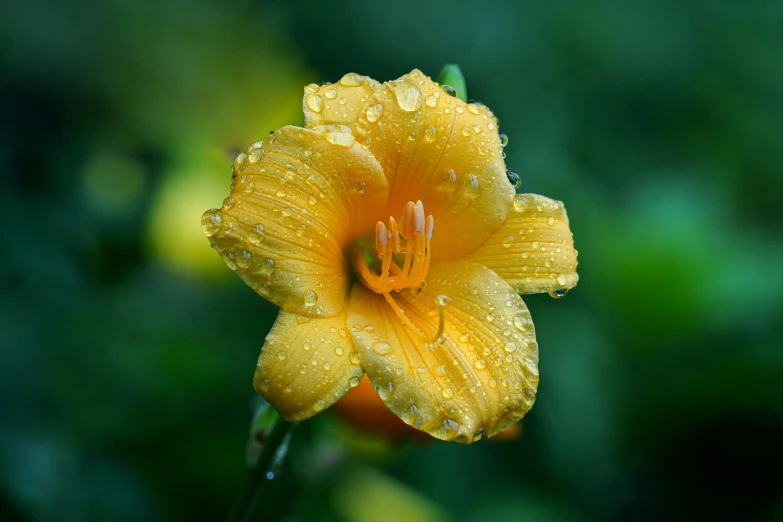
(414, 242)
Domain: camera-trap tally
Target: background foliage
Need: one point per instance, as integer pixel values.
(128, 348)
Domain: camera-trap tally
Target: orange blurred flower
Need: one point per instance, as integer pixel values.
(389, 234)
(364, 409)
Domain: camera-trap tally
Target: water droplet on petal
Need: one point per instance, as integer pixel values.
(331, 94)
(503, 140)
(510, 346)
(341, 139)
(520, 203)
(314, 102)
(447, 393)
(508, 241)
(354, 382)
(514, 179)
(282, 355)
(351, 80)
(374, 113)
(382, 348)
(212, 222)
(521, 322)
(448, 89)
(311, 298)
(409, 97)
(327, 366)
(558, 294)
(480, 364)
(430, 133)
(431, 101)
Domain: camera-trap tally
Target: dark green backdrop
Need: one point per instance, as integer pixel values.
(127, 348)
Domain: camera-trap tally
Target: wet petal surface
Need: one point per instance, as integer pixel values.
(306, 365)
(534, 249)
(479, 377)
(338, 103)
(297, 202)
(440, 150)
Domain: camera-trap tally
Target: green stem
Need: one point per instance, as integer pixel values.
(243, 512)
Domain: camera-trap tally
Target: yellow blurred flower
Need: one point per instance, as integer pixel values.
(388, 233)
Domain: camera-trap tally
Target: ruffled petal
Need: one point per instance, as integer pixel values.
(534, 249)
(480, 377)
(306, 364)
(339, 103)
(442, 151)
(297, 202)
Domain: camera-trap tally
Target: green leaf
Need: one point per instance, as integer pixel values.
(451, 75)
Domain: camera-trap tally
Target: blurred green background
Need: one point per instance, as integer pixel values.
(128, 348)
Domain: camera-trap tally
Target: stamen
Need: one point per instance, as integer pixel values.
(414, 242)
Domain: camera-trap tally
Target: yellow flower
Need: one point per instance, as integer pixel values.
(389, 235)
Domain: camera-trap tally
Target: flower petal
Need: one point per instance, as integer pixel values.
(534, 249)
(478, 378)
(306, 364)
(442, 151)
(297, 201)
(339, 103)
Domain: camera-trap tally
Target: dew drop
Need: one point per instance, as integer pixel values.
(448, 89)
(339, 350)
(287, 211)
(473, 109)
(356, 357)
(319, 405)
(430, 133)
(431, 101)
(447, 393)
(510, 346)
(354, 382)
(520, 322)
(520, 203)
(212, 222)
(558, 294)
(351, 80)
(480, 364)
(307, 346)
(282, 355)
(374, 113)
(514, 179)
(473, 185)
(327, 366)
(466, 130)
(503, 140)
(341, 139)
(382, 348)
(281, 193)
(409, 97)
(331, 94)
(311, 298)
(508, 241)
(314, 102)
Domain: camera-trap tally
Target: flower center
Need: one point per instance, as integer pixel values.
(413, 240)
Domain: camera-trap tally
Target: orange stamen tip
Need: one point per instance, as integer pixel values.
(415, 240)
